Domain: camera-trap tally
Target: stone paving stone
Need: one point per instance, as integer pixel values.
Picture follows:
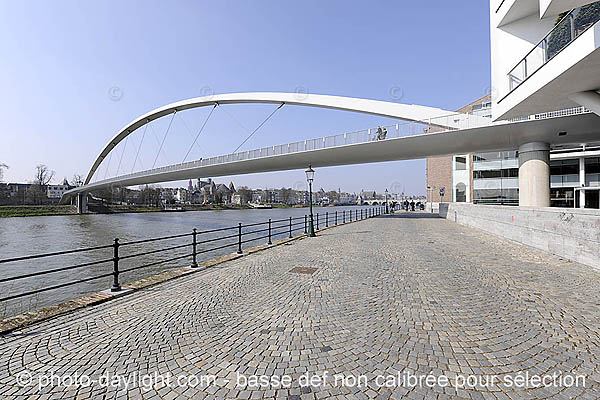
(392, 295)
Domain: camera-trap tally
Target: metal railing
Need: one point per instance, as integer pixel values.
(570, 27)
(234, 237)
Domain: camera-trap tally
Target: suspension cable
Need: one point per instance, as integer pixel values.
(237, 121)
(121, 159)
(140, 146)
(108, 164)
(187, 128)
(164, 137)
(158, 142)
(199, 132)
(257, 128)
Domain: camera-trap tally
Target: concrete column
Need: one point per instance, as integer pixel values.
(534, 174)
(82, 203)
(581, 182)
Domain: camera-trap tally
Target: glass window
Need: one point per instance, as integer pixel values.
(510, 173)
(460, 194)
(592, 165)
(509, 155)
(496, 196)
(562, 197)
(495, 173)
(460, 163)
(564, 167)
(492, 156)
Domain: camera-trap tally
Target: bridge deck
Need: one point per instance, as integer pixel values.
(402, 143)
(406, 292)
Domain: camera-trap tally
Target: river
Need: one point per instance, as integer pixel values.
(22, 236)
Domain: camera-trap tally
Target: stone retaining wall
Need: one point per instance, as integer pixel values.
(566, 232)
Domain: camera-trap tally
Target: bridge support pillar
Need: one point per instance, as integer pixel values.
(534, 174)
(82, 203)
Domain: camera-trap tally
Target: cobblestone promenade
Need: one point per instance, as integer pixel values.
(391, 299)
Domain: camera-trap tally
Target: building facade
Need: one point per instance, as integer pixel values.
(545, 62)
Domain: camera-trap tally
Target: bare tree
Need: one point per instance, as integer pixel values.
(245, 194)
(285, 194)
(43, 175)
(36, 193)
(77, 180)
(2, 167)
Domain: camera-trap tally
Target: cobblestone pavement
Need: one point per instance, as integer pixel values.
(392, 295)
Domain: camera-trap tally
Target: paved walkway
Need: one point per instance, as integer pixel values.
(391, 298)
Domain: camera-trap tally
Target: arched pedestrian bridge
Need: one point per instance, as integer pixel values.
(455, 133)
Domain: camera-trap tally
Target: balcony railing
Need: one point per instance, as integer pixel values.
(569, 28)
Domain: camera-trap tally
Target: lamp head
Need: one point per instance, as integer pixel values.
(310, 174)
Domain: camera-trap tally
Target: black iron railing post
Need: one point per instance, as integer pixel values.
(326, 219)
(336, 217)
(350, 215)
(305, 223)
(116, 286)
(194, 263)
(317, 221)
(290, 227)
(270, 232)
(344, 217)
(239, 250)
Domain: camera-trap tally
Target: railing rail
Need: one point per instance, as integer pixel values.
(566, 30)
(240, 235)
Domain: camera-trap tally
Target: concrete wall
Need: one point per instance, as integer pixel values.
(573, 234)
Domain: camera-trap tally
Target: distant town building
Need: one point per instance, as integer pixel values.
(182, 195)
(346, 198)
(57, 191)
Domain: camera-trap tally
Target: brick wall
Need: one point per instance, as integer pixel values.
(439, 174)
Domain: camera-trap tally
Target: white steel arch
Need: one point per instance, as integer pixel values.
(407, 112)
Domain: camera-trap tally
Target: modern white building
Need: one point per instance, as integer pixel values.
(545, 57)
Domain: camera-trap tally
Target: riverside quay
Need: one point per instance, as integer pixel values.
(404, 305)
(415, 214)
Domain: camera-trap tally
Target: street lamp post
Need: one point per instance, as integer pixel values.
(310, 175)
(387, 209)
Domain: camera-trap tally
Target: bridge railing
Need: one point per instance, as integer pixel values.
(114, 260)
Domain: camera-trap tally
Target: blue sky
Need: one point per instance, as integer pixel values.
(60, 60)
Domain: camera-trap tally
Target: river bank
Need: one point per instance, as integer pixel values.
(36, 211)
(50, 210)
